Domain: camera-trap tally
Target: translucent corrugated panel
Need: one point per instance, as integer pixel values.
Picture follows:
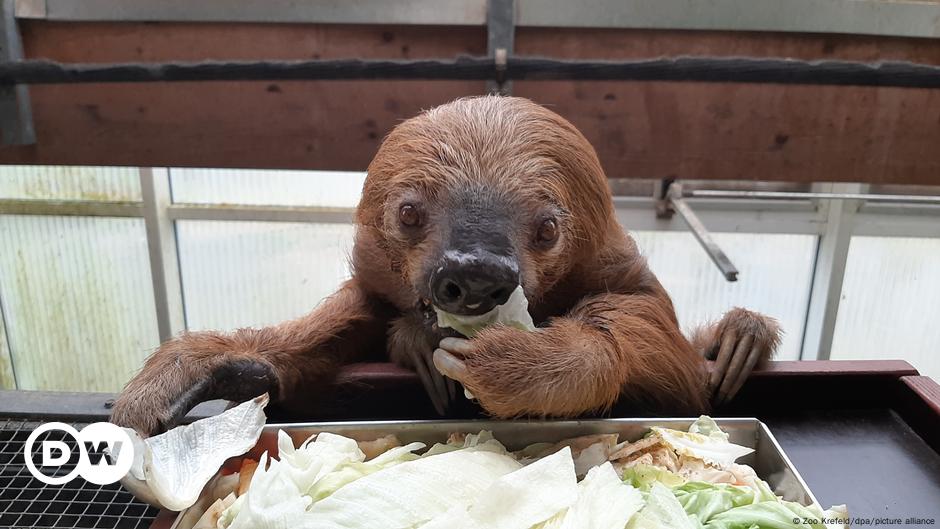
(890, 303)
(7, 380)
(775, 276)
(108, 184)
(245, 274)
(77, 299)
(257, 187)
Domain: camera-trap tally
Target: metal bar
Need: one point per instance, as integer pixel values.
(908, 224)
(787, 195)
(900, 18)
(705, 239)
(637, 214)
(826, 291)
(410, 12)
(16, 115)
(501, 36)
(78, 208)
(79, 406)
(161, 244)
(261, 213)
(679, 69)
(723, 215)
(7, 369)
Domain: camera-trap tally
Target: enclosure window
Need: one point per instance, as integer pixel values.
(242, 274)
(776, 271)
(890, 303)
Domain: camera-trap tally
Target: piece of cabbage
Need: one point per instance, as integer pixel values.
(710, 449)
(514, 313)
(349, 472)
(480, 441)
(411, 493)
(774, 515)
(644, 476)
(274, 499)
(662, 511)
(707, 426)
(518, 500)
(604, 502)
(705, 500)
(171, 469)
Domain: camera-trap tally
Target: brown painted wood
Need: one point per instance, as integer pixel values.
(927, 389)
(918, 401)
(808, 368)
(297, 125)
(357, 373)
(745, 132)
(641, 130)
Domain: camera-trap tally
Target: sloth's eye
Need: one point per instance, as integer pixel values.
(548, 231)
(408, 215)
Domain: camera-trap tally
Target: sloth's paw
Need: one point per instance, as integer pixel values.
(739, 342)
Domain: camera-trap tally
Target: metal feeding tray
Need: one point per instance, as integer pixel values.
(768, 458)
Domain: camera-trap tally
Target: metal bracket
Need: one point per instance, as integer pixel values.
(676, 203)
(16, 117)
(501, 34)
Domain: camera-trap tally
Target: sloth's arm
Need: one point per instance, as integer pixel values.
(285, 360)
(607, 346)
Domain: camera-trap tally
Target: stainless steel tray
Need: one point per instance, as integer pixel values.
(768, 459)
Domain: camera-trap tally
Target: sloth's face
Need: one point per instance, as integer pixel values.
(475, 198)
(466, 245)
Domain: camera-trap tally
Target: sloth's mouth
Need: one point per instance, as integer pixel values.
(426, 309)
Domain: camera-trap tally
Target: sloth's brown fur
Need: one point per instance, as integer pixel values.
(608, 328)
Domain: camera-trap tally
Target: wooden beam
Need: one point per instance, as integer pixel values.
(640, 130)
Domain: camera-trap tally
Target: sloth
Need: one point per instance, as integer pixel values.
(462, 205)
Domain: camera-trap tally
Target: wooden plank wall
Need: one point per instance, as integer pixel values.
(641, 130)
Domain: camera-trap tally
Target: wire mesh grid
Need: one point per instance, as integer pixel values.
(26, 502)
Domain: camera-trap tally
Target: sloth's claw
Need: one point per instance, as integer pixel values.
(435, 384)
(735, 369)
(461, 346)
(449, 365)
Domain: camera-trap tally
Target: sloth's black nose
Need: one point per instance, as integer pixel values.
(473, 283)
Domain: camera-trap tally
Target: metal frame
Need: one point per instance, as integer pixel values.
(162, 246)
(6, 350)
(831, 258)
(500, 40)
(900, 18)
(16, 114)
(833, 220)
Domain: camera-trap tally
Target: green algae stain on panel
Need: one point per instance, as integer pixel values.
(93, 184)
(77, 300)
(7, 380)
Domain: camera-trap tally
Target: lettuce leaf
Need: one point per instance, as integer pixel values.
(514, 313)
(707, 426)
(705, 500)
(644, 476)
(767, 515)
(662, 511)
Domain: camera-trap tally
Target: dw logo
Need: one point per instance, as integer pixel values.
(93, 442)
